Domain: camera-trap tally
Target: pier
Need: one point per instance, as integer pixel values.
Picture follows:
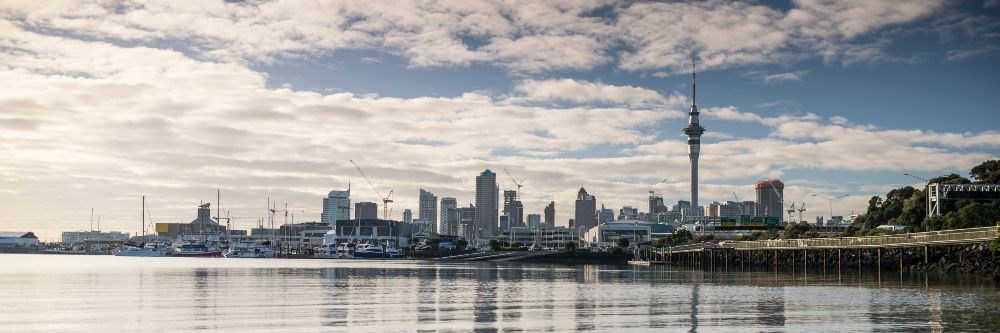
(790, 253)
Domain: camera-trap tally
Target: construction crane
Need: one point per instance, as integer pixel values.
(802, 208)
(519, 184)
(651, 192)
(386, 200)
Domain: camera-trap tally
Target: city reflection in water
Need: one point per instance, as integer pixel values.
(93, 293)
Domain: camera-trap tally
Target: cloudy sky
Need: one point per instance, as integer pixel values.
(105, 101)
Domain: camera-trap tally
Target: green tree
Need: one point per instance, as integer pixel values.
(570, 246)
(461, 244)
(622, 242)
(796, 230)
(494, 245)
(660, 242)
(987, 172)
(680, 237)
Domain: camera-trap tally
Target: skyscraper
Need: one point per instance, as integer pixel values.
(770, 197)
(407, 215)
(694, 132)
(448, 224)
(337, 206)
(487, 202)
(607, 215)
(586, 204)
(365, 210)
(513, 209)
(534, 221)
(428, 208)
(655, 206)
(550, 214)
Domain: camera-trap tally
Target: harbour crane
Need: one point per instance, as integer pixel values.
(791, 210)
(519, 184)
(802, 208)
(386, 200)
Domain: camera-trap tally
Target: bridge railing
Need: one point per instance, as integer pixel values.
(899, 240)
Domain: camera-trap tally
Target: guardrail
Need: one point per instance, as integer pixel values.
(957, 236)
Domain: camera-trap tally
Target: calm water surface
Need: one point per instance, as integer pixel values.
(103, 293)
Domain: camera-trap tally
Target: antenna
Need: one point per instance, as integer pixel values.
(694, 82)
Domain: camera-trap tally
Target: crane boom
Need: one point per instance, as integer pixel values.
(386, 200)
(519, 184)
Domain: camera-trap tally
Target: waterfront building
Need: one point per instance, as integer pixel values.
(550, 214)
(372, 231)
(694, 132)
(770, 198)
(487, 202)
(337, 206)
(520, 235)
(407, 215)
(605, 235)
(365, 210)
(18, 239)
(448, 219)
(428, 208)
(302, 235)
(513, 209)
(93, 237)
(586, 205)
(557, 237)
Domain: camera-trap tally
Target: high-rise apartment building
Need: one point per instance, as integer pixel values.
(487, 202)
(770, 197)
(513, 209)
(407, 215)
(336, 206)
(550, 215)
(448, 219)
(428, 208)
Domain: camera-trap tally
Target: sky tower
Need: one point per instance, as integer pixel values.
(693, 132)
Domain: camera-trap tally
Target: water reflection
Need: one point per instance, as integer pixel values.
(266, 295)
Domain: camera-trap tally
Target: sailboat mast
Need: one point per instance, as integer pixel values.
(143, 229)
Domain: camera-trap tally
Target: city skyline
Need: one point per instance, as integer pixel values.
(106, 102)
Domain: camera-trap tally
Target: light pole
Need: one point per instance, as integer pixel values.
(927, 183)
(831, 199)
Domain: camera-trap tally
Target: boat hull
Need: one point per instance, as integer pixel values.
(209, 254)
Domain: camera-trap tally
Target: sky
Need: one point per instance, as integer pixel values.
(103, 102)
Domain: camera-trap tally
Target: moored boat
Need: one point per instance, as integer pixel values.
(196, 249)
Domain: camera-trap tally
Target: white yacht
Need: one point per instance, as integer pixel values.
(376, 251)
(249, 250)
(335, 251)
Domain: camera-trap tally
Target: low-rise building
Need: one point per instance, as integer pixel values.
(606, 235)
(18, 239)
(374, 231)
(93, 237)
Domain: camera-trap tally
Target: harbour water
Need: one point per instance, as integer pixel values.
(63, 293)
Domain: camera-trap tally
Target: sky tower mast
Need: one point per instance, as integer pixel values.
(693, 132)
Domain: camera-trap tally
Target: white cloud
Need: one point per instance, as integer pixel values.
(524, 37)
(583, 92)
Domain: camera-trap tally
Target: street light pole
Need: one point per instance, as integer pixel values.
(830, 200)
(927, 184)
